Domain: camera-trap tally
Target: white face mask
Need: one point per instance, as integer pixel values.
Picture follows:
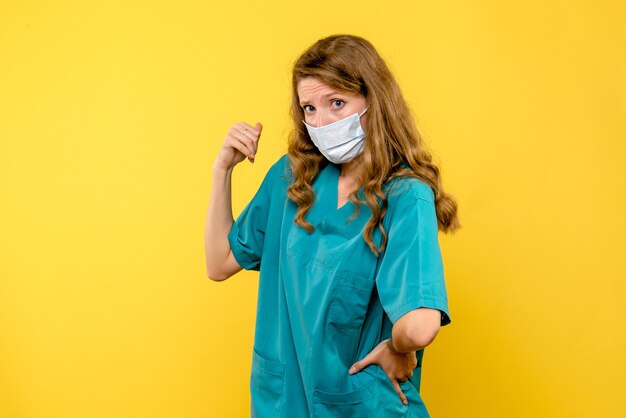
(339, 141)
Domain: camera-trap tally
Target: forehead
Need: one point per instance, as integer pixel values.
(310, 87)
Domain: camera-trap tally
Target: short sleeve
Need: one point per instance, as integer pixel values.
(410, 271)
(247, 234)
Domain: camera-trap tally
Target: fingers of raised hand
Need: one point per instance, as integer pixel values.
(243, 139)
(249, 130)
(235, 141)
(249, 134)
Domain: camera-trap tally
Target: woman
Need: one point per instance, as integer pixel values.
(343, 230)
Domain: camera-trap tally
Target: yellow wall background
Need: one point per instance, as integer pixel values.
(112, 113)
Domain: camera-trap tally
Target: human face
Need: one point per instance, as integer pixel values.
(323, 105)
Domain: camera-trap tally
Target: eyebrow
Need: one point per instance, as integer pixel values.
(333, 93)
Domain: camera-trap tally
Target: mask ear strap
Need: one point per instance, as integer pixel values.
(364, 112)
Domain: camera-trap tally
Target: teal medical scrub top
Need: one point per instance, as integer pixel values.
(325, 300)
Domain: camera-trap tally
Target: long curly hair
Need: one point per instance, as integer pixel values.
(393, 146)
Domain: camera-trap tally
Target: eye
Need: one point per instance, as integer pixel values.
(337, 103)
(308, 108)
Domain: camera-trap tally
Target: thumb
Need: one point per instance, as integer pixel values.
(259, 126)
(361, 364)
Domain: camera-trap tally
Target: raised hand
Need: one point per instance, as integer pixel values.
(242, 140)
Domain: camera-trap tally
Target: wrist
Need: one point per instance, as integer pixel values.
(219, 169)
(391, 347)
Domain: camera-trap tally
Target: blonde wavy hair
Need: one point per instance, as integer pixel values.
(393, 146)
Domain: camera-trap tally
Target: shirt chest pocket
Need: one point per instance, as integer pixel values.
(350, 300)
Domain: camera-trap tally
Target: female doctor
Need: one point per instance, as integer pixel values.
(343, 231)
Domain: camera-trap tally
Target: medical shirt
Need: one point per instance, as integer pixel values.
(325, 300)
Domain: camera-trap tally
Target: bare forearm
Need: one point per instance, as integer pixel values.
(240, 142)
(219, 221)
